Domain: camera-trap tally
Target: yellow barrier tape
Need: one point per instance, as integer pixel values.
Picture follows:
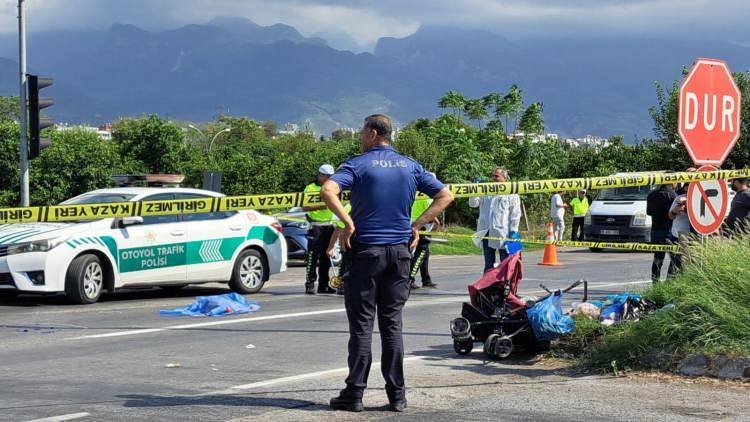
(57, 213)
(645, 247)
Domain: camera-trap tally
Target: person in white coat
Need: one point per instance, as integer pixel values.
(499, 216)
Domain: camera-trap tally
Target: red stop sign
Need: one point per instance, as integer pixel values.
(709, 114)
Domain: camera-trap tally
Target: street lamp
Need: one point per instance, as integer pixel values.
(216, 136)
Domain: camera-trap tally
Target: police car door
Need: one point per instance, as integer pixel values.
(155, 251)
(213, 237)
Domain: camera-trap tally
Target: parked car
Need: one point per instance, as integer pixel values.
(85, 258)
(295, 227)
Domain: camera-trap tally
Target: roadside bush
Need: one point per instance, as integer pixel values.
(711, 300)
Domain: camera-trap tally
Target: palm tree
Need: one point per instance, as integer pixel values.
(512, 105)
(475, 111)
(454, 100)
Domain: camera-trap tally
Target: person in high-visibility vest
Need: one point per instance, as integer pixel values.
(318, 236)
(421, 255)
(580, 205)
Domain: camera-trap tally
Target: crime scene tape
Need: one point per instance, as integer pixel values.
(644, 247)
(59, 213)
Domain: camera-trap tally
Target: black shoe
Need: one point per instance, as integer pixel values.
(397, 406)
(327, 290)
(413, 286)
(428, 283)
(310, 290)
(349, 404)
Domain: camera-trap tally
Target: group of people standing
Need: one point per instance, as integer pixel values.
(670, 223)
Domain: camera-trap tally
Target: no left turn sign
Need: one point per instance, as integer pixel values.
(707, 203)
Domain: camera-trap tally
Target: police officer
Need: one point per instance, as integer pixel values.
(378, 237)
(580, 205)
(421, 257)
(318, 236)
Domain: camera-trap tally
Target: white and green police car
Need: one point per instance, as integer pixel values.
(85, 258)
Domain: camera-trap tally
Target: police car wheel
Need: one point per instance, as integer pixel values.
(250, 272)
(84, 281)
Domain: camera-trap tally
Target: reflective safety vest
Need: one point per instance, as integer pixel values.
(419, 207)
(323, 216)
(580, 207)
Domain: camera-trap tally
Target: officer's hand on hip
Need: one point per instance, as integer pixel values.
(346, 236)
(414, 237)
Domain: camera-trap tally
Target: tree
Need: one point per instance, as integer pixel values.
(453, 100)
(10, 140)
(9, 108)
(76, 162)
(532, 121)
(512, 105)
(159, 144)
(343, 135)
(475, 111)
(270, 128)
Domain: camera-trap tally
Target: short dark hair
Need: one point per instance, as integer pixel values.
(381, 124)
(742, 180)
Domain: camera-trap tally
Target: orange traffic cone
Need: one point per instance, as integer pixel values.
(550, 249)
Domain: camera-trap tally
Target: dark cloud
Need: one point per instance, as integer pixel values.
(366, 21)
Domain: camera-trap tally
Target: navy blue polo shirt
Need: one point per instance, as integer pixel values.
(383, 184)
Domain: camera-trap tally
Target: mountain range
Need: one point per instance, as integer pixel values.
(588, 85)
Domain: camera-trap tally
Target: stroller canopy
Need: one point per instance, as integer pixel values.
(509, 271)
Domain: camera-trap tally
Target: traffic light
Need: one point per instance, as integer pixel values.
(36, 122)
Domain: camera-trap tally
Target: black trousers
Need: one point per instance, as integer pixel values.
(577, 232)
(377, 285)
(421, 260)
(318, 238)
(662, 237)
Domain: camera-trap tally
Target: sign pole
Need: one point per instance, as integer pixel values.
(23, 153)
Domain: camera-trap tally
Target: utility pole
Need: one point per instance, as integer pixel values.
(22, 69)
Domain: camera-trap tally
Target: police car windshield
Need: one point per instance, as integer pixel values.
(98, 198)
(632, 193)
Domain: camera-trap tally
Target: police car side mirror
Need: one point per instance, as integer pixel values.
(131, 221)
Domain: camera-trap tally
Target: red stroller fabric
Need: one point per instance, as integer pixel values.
(509, 271)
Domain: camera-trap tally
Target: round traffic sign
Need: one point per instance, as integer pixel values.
(709, 112)
(707, 203)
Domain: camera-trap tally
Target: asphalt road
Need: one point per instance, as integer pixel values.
(120, 360)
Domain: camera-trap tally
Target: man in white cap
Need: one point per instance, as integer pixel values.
(321, 229)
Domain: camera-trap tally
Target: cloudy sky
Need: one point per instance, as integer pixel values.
(363, 22)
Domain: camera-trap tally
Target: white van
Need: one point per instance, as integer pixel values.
(619, 215)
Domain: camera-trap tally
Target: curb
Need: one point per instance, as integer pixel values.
(718, 367)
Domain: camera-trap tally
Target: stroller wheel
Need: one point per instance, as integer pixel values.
(497, 346)
(489, 344)
(503, 347)
(463, 347)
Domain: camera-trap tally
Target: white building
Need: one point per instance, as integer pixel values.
(104, 131)
(588, 141)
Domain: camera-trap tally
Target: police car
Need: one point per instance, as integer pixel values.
(85, 258)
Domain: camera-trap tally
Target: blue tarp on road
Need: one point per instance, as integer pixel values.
(219, 305)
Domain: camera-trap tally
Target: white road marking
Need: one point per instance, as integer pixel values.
(61, 418)
(305, 314)
(299, 377)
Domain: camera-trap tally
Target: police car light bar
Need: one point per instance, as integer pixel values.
(151, 180)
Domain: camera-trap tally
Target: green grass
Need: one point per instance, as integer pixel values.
(711, 314)
(454, 245)
(464, 246)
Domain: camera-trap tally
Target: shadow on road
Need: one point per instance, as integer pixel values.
(148, 400)
(521, 364)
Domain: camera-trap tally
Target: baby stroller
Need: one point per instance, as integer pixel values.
(497, 316)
